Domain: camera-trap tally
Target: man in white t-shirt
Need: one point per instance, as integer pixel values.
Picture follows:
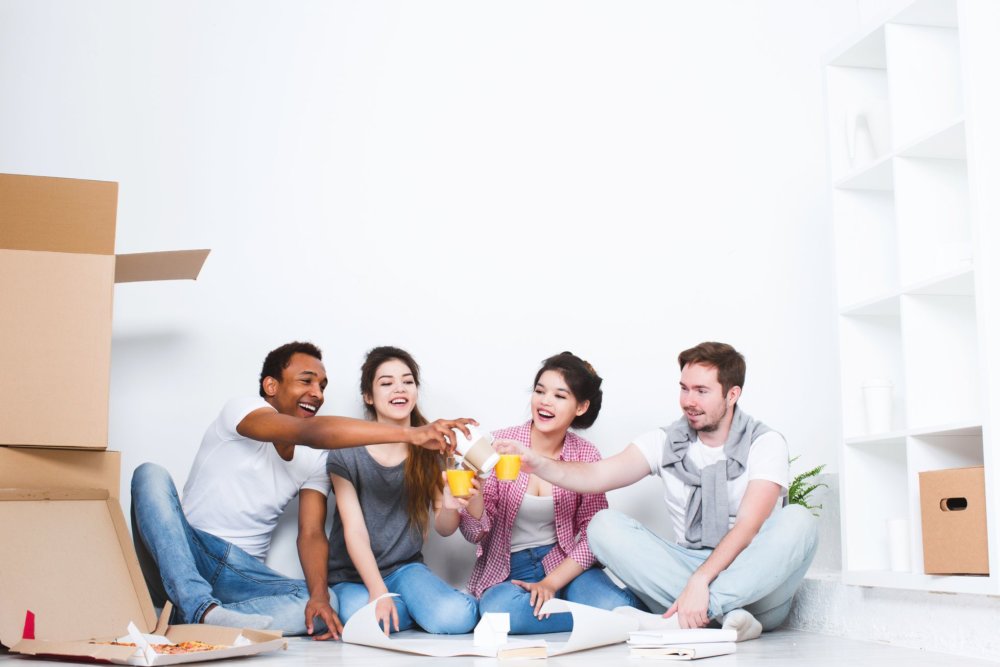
(736, 554)
(207, 555)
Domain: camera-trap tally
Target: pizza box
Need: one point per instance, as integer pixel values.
(58, 269)
(70, 578)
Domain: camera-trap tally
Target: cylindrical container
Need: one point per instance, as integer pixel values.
(460, 482)
(878, 405)
(899, 544)
(477, 451)
(508, 468)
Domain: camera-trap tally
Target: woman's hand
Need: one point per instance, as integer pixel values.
(385, 611)
(450, 502)
(541, 592)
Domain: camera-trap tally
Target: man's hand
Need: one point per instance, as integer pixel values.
(541, 592)
(439, 435)
(692, 605)
(324, 611)
(385, 611)
(530, 461)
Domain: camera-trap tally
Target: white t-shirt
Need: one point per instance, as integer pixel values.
(238, 487)
(767, 459)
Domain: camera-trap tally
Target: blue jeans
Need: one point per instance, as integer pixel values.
(762, 579)
(424, 600)
(593, 587)
(194, 569)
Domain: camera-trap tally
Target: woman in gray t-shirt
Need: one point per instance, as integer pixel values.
(385, 494)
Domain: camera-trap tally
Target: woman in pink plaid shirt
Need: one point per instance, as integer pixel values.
(531, 537)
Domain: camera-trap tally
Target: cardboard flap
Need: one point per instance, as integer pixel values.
(101, 652)
(57, 214)
(40, 468)
(169, 265)
(67, 556)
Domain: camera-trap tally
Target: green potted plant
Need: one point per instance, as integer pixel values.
(803, 485)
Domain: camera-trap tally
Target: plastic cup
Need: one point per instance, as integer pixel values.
(460, 483)
(508, 467)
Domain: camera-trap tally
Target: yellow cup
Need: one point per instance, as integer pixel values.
(508, 467)
(460, 482)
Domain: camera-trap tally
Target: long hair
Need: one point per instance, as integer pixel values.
(422, 468)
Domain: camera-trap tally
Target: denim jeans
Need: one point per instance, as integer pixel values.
(424, 600)
(194, 569)
(762, 579)
(593, 587)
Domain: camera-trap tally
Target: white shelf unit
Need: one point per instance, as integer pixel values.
(908, 292)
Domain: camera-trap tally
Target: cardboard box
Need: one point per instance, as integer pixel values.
(953, 518)
(58, 269)
(67, 557)
(45, 468)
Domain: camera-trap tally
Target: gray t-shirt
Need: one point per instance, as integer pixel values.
(381, 493)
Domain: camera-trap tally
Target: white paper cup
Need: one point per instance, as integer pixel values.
(878, 405)
(898, 531)
(477, 451)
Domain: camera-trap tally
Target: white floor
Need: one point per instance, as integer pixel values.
(776, 649)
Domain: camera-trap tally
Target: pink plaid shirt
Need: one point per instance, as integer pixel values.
(502, 500)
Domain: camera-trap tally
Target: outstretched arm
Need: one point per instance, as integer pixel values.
(314, 552)
(624, 468)
(266, 425)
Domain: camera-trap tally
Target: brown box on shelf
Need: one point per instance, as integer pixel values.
(953, 519)
(58, 269)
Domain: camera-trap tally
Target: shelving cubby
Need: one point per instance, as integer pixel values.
(905, 233)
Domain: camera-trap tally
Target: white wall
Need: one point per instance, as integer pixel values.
(484, 184)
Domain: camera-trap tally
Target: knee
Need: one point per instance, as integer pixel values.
(800, 523)
(601, 531)
(454, 615)
(500, 598)
(150, 477)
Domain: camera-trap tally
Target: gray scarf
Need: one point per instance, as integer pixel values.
(707, 518)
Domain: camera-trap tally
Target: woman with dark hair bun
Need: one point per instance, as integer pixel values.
(387, 497)
(531, 536)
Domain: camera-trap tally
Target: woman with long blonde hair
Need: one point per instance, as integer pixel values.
(385, 496)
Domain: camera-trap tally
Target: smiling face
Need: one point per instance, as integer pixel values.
(706, 407)
(553, 405)
(393, 393)
(299, 391)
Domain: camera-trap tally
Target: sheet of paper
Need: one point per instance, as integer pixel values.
(591, 628)
(681, 636)
(689, 652)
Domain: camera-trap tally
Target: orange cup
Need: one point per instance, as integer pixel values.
(508, 467)
(460, 483)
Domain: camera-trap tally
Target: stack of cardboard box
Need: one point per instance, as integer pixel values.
(68, 569)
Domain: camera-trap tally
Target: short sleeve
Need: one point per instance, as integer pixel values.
(337, 464)
(650, 444)
(234, 412)
(768, 459)
(318, 480)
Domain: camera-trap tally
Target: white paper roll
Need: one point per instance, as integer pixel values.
(899, 544)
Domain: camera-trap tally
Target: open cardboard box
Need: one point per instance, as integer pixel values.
(58, 269)
(70, 578)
